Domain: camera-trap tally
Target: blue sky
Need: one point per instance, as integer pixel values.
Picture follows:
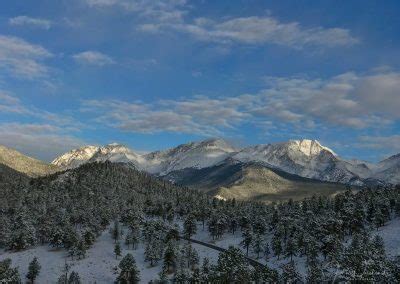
(154, 74)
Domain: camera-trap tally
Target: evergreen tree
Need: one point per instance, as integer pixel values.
(170, 256)
(189, 226)
(74, 278)
(33, 270)
(129, 272)
(265, 275)
(291, 248)
(315, 273)
(116, 231)
(205, 270)
(7, 273)
(258, 244)
(117, 250)
(247, 240)
(277, 245)
(290, 273)
(233, 267)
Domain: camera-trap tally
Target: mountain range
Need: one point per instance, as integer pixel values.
(305, 158)
(294, 168)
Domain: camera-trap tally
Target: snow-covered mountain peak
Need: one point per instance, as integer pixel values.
(214, 143)
(309, 147)
(75, 157)
(200, 154)
(114, 148)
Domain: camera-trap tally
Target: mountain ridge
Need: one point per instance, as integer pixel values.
(303, 157)
(25, 164)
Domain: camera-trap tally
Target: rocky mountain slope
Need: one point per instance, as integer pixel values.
(192, 155)
(252, 181)
(388, 170)
(305, 158)
(24, 164)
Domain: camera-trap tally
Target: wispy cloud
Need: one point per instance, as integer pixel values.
(259, 30)
(23, 59)
(388, 143)
(48, 134)
(346, 100)
(44, 141)
(91, 57)
(30, 22)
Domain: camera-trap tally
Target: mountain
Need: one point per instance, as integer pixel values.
(195, 155)
(10, 178)
(192, 155)
(388, 170)
(76, 157)
(252, 181)
(306, 158)
(24, 164)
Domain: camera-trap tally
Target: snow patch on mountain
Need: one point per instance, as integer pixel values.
(75, 157)
(306, 158)
(192, 155)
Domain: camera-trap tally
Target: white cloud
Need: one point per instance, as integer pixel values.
(30, 22)
(200, 115)
(42, 141)
(350, 99)
(386, 143)
(169, 15)
(261, 30)
(23, 59)
(346, 100)
(91, 57)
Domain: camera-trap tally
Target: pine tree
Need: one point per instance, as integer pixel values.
(258, 244)
(205, 270)
(277, 245)
(116, 231)
(247, 240)
(315, 273)
(129, 272)
(117, 250)
(232, 266)
(291, 248)
(89, 238)
(192, 256)
(190, 226)
(74, 278)
(153, 250)
(290, 273)
(33, 270)
(264, 275)
(7, 273)
(170, 256)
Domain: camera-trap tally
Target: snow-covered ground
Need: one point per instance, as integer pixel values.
(97, 267)
(391, 236)
(99, 264)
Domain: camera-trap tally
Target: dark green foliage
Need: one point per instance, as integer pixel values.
(117, 249)
(129, 273)
(33, 270)
(232, 267)
(7, 273)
